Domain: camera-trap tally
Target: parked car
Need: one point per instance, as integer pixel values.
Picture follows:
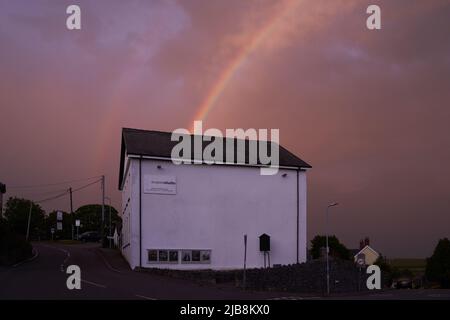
(90, 236)
(404, 283)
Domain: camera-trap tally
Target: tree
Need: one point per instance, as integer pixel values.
(16, 213)
(91, 217)
(337, 249)
(438, 265)
(51, 222)
(13, 247)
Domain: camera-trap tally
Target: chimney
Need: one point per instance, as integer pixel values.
(361, 244)
(366, 241)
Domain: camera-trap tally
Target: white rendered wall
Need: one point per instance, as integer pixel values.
(213, 208)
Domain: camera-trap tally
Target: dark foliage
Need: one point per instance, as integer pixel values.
(337, 249)
(438, 265)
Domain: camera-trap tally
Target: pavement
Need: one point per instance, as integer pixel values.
(105, 275)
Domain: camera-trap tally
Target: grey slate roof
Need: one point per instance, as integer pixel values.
(158, 144)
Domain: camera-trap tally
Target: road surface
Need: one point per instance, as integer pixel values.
(45, 278)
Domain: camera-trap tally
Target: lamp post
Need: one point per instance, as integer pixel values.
(328, 248)
(109, 201)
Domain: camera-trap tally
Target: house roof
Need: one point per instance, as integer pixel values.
(158, 144)
(363, 249)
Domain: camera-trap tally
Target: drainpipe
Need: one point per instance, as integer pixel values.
(298, 214)
(140, 212)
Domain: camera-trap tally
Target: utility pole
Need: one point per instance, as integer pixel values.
(103, 209)
(29, 220)
(2, 191)
(71, 210)
(110, 235)
(328, 248)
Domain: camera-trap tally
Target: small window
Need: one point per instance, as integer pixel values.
(186, 256)
(173, 256)
(162, 255)
(196, 255)
(205, 256)
(152, 255)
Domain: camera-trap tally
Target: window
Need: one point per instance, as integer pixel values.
(196, 256)
(152, 256)
(174, 256)
(186, 256)
(206, 256)
(162, 256)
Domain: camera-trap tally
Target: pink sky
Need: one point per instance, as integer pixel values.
(368, 109)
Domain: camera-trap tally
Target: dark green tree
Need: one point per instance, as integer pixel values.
(51, 222)
(91, 217)
(13, 247)
(16, 213)
(438, 265)
(337, 249)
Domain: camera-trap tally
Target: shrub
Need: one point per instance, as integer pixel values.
(438, 265)
(13, 247)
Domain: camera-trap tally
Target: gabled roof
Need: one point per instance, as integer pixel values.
(363, 249)
(158, 144)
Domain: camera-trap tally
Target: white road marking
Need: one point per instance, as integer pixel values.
(380, 295)
(287, 298)
(144, 297)
(93, 283)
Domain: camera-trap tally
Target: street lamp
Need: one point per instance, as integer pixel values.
(328, 248)
(109, 201)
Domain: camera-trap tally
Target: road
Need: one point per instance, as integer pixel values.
(44, 278)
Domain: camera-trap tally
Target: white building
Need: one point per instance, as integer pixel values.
(195, 216)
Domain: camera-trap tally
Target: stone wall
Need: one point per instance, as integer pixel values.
(309, 277)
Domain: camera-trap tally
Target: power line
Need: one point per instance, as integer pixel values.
(43, 194)
(67, 191)
(51, 184)
(85, 186)
(52, 198)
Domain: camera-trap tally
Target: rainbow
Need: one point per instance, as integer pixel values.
(240, 58)
(108, 126)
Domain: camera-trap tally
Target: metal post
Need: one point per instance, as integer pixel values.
(71, 210)
(244, 280)
(328, 248)
(2, 191)
(29, 220)
(102, 232)
(110, 224)
(328, 252)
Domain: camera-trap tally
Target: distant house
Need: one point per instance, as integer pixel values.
(366, 254)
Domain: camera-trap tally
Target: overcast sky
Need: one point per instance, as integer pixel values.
(369, 110)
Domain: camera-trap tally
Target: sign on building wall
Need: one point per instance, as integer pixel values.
(160, 184)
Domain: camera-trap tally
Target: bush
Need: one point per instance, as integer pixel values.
(438, 265)
(13, 247)
(337, 249)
